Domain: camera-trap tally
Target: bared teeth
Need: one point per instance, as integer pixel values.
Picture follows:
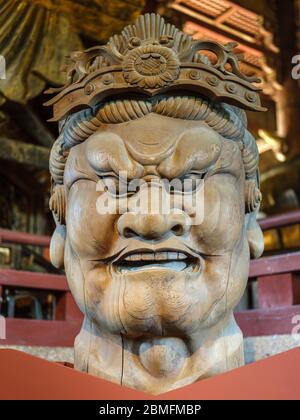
(161, 256)
(156, 256)
(172, 255)
(147, 257)
(181, 256)
(160, 260)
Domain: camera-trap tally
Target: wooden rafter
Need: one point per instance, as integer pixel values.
(228, 19)
(24, 153)
(224, 15)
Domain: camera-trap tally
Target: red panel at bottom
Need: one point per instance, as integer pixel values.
(28, 377)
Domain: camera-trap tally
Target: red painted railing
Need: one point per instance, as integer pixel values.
(280, 220)
(66, 325)
(278, 287)
(10, 236)
(278, 280)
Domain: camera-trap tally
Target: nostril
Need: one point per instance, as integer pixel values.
(128, 232)
(178, 230)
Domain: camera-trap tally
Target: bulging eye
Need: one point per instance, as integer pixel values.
(134, 186)
(118, 187)
(192, 182)
(185, 185)
(110, 184)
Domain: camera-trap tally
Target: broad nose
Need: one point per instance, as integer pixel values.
(153, 226)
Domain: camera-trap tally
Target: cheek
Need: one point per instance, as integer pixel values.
(90, 233)
(223, 214)
(239, 272)
(75, 276)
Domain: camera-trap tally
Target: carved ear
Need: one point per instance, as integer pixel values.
(57, 205)
(57, 246)
(254, 233)
(255, 236)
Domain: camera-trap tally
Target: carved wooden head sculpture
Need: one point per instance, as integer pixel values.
(157, 287)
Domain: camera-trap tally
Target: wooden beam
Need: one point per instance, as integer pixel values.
(210, 23)
(223, 16)
(24, 153)
(26, 184)
(29, 122)
(34, 127)
(277, 264)
(280, 220)
(16, 237)
(261, 7)
(244, 40)
(261, 322)
(33, 280)
(31, 332)
(281, 169)
(253, 323)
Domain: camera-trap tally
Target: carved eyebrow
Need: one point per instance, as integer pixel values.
(197, 149)
(107, 152)
(76, 169)
(228, 161)
(79, 169)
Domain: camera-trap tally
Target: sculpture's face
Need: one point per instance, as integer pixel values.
(148, 272)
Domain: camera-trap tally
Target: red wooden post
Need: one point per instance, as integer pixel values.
(66, 308)
(278, 290)
(1, 291)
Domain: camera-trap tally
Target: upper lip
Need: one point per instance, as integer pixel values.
(139, 258)
(156, 254)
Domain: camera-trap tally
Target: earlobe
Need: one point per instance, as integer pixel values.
(57, 246)
(253, 199)
(254, 235)
(57, 205)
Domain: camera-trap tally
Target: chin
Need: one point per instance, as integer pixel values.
(156, 301)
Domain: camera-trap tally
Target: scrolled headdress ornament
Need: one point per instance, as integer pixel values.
(152, 57)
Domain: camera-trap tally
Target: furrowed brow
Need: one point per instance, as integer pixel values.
(197, 149)
(107, 152)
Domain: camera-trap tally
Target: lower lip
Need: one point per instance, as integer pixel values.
(176, 266)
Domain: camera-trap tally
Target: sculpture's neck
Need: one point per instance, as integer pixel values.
(162, 363)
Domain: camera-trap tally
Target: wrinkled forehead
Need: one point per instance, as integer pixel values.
(151, 139)
(173, 146)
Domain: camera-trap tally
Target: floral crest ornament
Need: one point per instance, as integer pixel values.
(152, 57)
(151, 66)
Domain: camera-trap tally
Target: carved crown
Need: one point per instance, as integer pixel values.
(152, 57)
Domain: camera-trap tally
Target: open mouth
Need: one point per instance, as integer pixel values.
(153, 260)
